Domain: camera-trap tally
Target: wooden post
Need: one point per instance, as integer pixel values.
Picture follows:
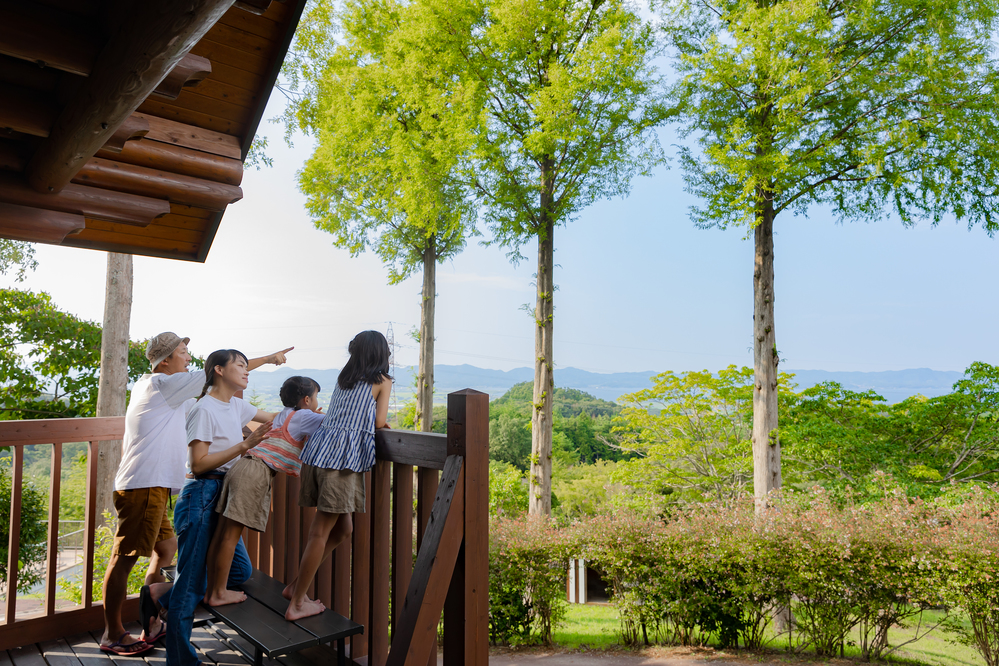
(466, 610)
(111, 392)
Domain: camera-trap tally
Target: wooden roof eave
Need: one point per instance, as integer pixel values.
(151, 162)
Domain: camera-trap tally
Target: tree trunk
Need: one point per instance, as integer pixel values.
(766, 443)
(544, 379)
(425, 377)
(112, 387)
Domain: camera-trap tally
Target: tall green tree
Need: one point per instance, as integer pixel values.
(384, 172)
(567, 97)
(50, 359)
(872, 108)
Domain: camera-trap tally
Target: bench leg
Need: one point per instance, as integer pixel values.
(341, 658)
(258, 657)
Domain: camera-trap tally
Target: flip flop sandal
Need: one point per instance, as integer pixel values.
(147, 608)
(126, 650)
(161, 634)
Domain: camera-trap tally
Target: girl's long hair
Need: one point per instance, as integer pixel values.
(221, 357)
(369, 360)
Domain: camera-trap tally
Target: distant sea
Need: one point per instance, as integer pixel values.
(893, 385)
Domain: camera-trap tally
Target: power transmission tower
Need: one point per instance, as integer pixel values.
(391, 342)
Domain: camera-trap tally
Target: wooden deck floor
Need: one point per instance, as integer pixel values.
(215, 645)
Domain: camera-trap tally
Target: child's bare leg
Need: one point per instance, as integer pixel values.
(312, 556)
(341, 530)
(220, 554)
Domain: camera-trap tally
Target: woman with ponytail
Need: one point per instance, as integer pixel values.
(215, 441)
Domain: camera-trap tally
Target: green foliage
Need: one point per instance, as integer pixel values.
(563, 96)
(508, 495)
(971, 560)
(582, 427)
(17, 254)
(103, 543)
(527, 569)
(407, 417)
(875, 108)
(384, 171)
(588, 490)
(840, 438)
(50, 360)
(31, 545)
(510, 439)
(719, 573)
(692, 434)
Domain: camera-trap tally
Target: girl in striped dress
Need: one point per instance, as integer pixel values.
(245, 499)
(335, 458)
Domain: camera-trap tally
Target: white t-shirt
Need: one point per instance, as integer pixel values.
(220, 424)
(154, 451)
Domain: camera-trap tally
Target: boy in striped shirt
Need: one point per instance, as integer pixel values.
(245, 500)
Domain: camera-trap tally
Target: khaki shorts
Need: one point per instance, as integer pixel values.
(143, 521)
(332, 490)
(246, 493)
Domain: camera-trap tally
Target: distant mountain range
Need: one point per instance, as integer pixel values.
(894, 385)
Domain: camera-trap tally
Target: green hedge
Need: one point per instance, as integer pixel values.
(722, 574)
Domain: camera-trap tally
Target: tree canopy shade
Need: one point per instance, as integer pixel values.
(876, 109)
(565, 98)
(384, 172)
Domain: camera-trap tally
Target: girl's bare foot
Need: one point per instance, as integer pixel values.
(226, 597)
(289, 590)
(306, 609)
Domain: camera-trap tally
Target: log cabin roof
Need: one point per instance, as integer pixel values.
(124, 124)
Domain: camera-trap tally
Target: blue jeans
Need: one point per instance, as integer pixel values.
(194, 521)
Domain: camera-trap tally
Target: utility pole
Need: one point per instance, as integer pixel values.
(390, 335)
(113, 382)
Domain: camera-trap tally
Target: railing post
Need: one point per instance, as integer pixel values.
(466, 609)
(14, 533)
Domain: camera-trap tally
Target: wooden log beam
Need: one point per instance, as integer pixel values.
(132, 64)
(189, 72)
(26, 111)
(257, 7)
(31, 33)
(36, 225)
(158, 184)
(91, 202)
(175, 159)
(132, 128)
(188, 136)
(10, 158)
(28, 75)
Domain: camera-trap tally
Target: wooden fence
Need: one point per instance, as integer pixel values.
(373, 578)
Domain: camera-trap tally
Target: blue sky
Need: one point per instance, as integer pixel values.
(639, 288)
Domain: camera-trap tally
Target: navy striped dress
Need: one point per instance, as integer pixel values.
(346, 437)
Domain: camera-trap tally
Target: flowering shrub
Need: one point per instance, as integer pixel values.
(969, 546)
(722, 573)
(528, 561)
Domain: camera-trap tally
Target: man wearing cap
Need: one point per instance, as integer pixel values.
(153, 455)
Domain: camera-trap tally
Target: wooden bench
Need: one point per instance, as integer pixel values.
(260, 620)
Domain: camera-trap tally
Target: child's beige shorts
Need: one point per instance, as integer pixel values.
(246, 493)
(332, 490)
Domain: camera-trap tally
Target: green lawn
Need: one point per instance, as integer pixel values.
(596, 627)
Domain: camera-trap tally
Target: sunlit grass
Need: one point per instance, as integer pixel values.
(596, 627)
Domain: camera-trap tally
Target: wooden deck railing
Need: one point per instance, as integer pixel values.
(372, 578)
(49, 622)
